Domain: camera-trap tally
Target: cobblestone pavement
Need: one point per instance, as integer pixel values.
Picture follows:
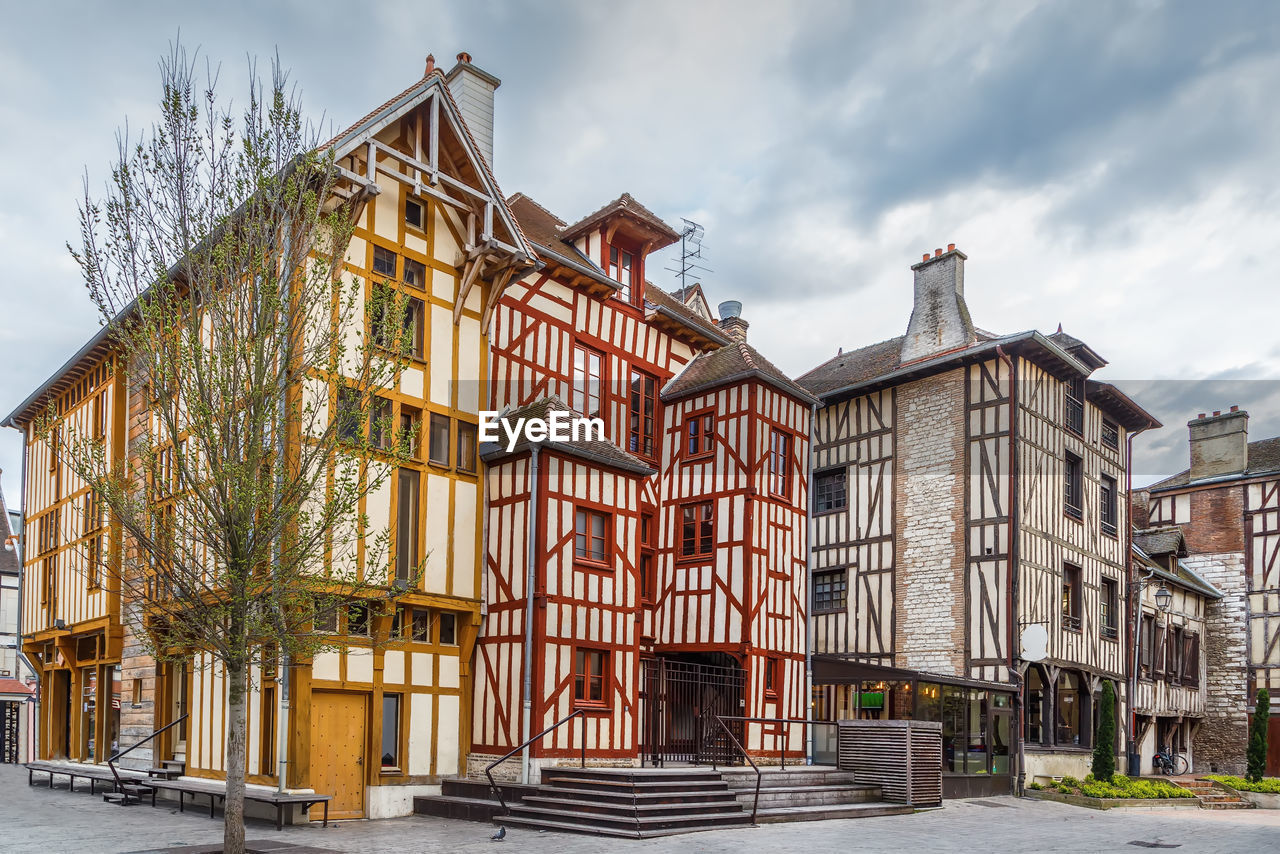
(35, 819)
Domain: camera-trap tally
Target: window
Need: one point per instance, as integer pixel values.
(438, 444)
(830, 591)
(99, 415)
(648, 556)
(1159, 650)
(1033, 713)
(421, 625)
(696, 529)
(391, 731)
(467, 434)
(644, 408)
(1147, 645)
(384, 261)
(1074, 486)
(1111, 434)
(1191, 659)
(1109, 602)
(1075, 405)
(413, 213)
(449, 629)
(267, 750)
(415, 312)
(380, 423)
(411, 430)
(1071, 597)
(590, 536)
(407, 555)
(622, 270)
(94, 522)
(415, 273)
(358, 618)
(588, 382)
(699, 431)
(588, 676)
(829, 491)
(771, 675)
(1107, 505)
(350, 426)
(1071, 724)
(1173, 670)
(779, 462)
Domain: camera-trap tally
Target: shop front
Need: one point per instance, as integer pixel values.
(977, 718)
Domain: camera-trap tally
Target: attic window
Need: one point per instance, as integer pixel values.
(1075, 405)
(413, 213)
(624, 268)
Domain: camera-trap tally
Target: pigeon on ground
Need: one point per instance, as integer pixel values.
(500, 835)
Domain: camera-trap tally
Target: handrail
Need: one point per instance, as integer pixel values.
(782, 754)
(111, 762)
(488, 769)
(755, 804)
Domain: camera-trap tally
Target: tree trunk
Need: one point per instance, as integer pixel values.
(233, 815)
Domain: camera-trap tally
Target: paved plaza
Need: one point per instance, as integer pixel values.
(51, 822)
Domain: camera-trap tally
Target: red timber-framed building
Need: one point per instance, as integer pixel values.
(656, 576)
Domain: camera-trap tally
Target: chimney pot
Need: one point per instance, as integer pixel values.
(431, 64)
(951, 247)
(1201, 415)
(1235, 409)
(926, 256)
(464, 57)
(937, 252)
(1217, 412)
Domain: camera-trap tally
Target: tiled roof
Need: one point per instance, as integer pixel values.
(658, 297)
(626, 203)
(1264, 458)
(9, 564)
(732, 362)
(1163, 540)
(854, 367)
(13, 686)
(600, 452)
(1182, 575)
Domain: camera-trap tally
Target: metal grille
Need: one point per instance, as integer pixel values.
(9, 732)
(679, 702)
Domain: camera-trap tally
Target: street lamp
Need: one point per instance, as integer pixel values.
(1164, 600)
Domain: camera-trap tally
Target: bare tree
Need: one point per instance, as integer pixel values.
(216, 258)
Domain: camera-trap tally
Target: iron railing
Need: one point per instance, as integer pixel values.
(782, 753)
(488, 770)
(111, 762)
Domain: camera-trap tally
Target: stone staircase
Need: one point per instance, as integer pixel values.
(647, 802)
(1214, 797)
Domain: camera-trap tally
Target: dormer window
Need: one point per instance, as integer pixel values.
(622, 270)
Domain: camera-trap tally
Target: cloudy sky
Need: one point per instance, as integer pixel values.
(1108, 166)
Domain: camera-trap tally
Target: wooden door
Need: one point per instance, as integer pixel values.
(337, 751)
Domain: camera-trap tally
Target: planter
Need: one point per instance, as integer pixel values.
(1115, 803)
(1261, 800)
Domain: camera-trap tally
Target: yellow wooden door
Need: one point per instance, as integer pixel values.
(337, 751)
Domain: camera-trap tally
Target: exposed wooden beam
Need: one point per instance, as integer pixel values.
(471, 271)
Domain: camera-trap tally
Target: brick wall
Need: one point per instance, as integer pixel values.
(1221, 741)
(1217, 521)
(928, 515)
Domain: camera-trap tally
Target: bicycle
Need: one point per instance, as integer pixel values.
(1169, 763)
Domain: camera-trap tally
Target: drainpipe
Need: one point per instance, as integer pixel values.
(1012, 585)
(808, 588)
(22, 587)
(530, 579)
(1132, 761)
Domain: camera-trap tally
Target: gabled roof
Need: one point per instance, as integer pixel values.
(1161, 540)
(1183, 575)
(854, 367)
(734, 362)
(14, 686)
(626, 205)
(1263, 459)
(598, 452)
(1077, 348)
(694, 299)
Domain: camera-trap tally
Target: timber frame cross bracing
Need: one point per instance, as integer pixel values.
(495, 248)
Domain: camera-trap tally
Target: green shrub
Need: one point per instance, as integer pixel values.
(1257, 755)
(1104, 752)
(1035, 786)
(1071, 781)
(1119, 780)
(1267, 785)
(1089, 778)
(1066, 790)
(1101, 790)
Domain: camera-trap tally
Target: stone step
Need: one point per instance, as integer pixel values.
(577, 827)
(466, 809)
(832, 811)
(633, 775)
(800, 796)
(627, 796)
(605, 784)
(1223, 805)
(631, 811)
(630, 823)
(738, 779)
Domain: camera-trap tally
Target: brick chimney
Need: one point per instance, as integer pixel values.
(472, 88)
(939, 318)
(731, 322)
(1219, 443)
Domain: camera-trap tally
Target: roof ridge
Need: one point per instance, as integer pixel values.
(531, 200)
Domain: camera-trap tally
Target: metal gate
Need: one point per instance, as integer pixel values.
(679, 701)
(9, 732)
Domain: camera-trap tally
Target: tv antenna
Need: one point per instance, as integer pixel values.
(691, 235)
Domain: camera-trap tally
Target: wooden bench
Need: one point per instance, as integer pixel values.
(217, 793)
(71, 772)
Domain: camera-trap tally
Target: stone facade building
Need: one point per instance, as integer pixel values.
(1227, 507)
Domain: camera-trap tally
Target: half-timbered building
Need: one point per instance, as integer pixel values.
(653, 576)
(969, 493)
(385, 713)
(1168, 665)
(1227, 506)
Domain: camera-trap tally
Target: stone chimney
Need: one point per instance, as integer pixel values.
(939, 318)
(472, 88)
(731, 322)
(1219, 444)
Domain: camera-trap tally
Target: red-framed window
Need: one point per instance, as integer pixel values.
(588, 382)
(779, 463)
(589, 683)
(591, 536)
(772, 674)
(623, 265)
(699, 435)
(648, 555)
(642, 426)
(697, 529)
